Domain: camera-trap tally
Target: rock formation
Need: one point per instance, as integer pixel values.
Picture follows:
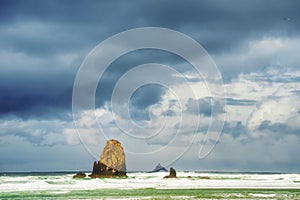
(172, 173)
(112, 161)
(159, 168)
(113, 155)
(79, 175)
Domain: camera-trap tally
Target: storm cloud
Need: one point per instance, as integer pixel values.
(255, 45)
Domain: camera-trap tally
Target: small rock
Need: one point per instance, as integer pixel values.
(79, 175)
(204, 177)
(172, 173)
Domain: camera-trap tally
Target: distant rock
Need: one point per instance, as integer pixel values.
(172, 173)
(159, 168)
(112, 161)
(79, 175)
(204, 177)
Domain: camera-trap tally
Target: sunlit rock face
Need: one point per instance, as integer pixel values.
(113, 155)
(112, 161)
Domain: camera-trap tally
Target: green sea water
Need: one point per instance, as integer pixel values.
(142, 185)
(151, 193)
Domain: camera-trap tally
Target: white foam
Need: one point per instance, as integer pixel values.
(264, 195)
(150, 180)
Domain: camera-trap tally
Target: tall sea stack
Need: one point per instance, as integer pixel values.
(111, 162)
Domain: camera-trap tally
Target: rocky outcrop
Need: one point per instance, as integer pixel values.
(79, 175)
(172, 173)
(159, 168)
(113, 155)
(100, 170)
(204, 177)
(112, 161)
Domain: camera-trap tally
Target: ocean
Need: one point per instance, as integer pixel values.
(143, 185)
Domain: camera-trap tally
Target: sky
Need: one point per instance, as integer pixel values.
(254, 46)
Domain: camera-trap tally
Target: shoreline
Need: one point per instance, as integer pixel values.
(184, 180)
(157, 193)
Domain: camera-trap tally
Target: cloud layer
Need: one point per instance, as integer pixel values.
(254, 44)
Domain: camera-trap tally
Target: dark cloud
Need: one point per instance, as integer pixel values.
(133, 59)
(277, 127)
(41, 31)
(240, 102)
(297, 92)
(45, 30)
(43, 95)
(204, 106)
(284, 78)
(217, 25)
(142, 99)
(220, 26)
(43, 43)
(147, 95)
(234, 129)
(168, 113)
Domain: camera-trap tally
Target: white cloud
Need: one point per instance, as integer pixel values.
(273, 91)
(277, 104)
(38, 132)
(275, 110)
(261, 53)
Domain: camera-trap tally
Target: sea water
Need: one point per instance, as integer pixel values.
(53, 184)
